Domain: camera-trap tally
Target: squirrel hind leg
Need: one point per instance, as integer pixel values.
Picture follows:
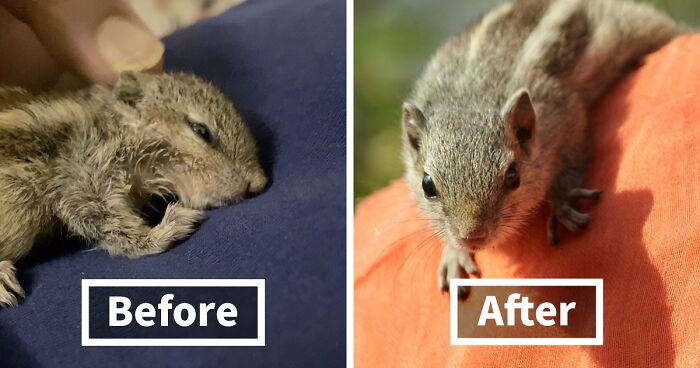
(10, 289)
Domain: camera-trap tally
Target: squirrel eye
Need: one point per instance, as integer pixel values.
(512, 179)
(429, 187)
(200, 129)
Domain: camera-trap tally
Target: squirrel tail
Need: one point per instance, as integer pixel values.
(624, 33)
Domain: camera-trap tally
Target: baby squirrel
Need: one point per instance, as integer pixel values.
(497, 123)
(87, 161)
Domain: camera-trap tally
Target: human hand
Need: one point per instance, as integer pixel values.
(43, 41)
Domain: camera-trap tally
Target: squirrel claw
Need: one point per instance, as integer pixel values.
(583, 193)
(572, 219)
(462, 291)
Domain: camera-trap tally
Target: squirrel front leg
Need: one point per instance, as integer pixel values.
(567, 190)
(456, 263)
(565, 118)
(107, 215)
(567, 187)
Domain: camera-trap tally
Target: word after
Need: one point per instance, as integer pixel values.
(527, 312)
(545, 314)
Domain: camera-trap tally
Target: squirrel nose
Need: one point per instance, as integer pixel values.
(256, 184)
(478, 234)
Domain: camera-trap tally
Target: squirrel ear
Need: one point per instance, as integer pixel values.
(520, 118)
(129, 88)
(413, 124)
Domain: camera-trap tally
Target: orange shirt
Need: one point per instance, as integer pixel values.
(643, 240)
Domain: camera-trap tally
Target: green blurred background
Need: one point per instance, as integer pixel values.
(393, 39)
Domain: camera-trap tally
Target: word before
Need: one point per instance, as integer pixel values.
(120, 312)
(545, 313)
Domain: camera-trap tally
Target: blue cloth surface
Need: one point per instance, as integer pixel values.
(283, 64)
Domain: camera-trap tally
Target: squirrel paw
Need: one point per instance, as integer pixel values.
(456, 264)
(565, 214)
(9, 287)
(177, 224)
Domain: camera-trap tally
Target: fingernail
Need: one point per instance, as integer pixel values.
(128, 46)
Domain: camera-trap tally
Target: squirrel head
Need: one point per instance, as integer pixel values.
(471, 172)
(210, 155)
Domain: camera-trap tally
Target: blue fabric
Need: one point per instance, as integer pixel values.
(283, 65)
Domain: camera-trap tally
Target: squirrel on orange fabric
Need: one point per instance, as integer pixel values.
(497, 123)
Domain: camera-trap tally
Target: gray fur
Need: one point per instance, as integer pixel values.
(88, 160)
(563, 55)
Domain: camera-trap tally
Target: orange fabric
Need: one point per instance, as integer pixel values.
(644, 241)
